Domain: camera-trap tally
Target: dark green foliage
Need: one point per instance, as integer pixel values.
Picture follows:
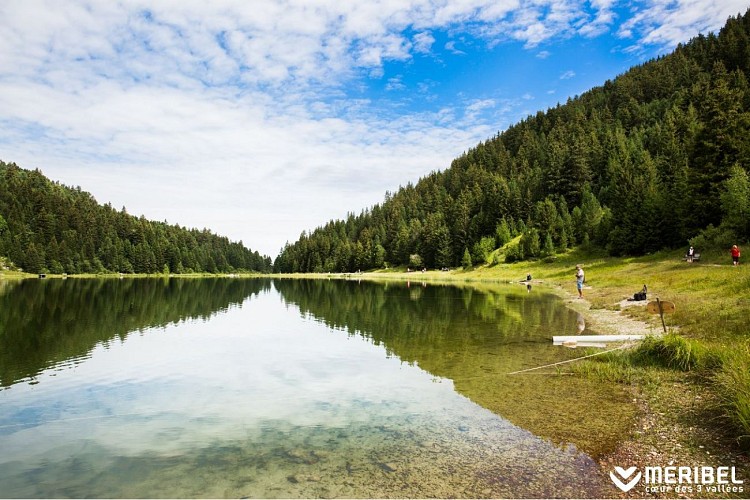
(47, 227)
(531, 243)
(45, 322)
(482, 250)
(466, 259)
(502, 233)
(645, 162)
(735, 202)
(514, 253)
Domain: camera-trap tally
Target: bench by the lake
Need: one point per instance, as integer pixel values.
(696, 257)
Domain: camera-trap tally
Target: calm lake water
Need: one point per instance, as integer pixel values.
(292, 388)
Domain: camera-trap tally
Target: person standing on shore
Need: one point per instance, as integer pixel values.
(735, 255)
(579, 280)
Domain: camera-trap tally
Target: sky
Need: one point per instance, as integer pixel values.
(260, 119)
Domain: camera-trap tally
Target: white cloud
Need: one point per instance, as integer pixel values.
(395, 83)
(451, 47)
(235, 115)
(666, 23)
(568, 75)
(243, 166)
(423, 42)
(603, 18)
(476, 108)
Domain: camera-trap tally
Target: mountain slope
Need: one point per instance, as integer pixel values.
(649, 160)
(48, 227)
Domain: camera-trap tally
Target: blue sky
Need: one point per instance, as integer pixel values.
(260, 119)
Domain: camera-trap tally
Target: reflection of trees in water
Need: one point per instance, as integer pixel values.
(418, 322)
(475, 338)
(48, 321)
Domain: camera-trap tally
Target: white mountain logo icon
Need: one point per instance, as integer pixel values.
(625, 475)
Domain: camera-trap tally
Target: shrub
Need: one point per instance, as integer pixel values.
(513, 253)
(502, 233)
(415, 260)
(714, 237)
(531, 243)
(466, 259)
(482, 250)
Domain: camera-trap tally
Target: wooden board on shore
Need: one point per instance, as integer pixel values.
(666, 307)
(598, 339)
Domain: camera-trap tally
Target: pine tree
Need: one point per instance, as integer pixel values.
(735, 202)
(466, 259)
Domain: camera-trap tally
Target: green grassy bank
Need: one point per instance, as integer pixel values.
(709, 333)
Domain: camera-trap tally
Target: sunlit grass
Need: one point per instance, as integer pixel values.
(732, 384)
(709, 331)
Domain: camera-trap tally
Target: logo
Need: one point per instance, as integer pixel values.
(680, 479)
(625, 475)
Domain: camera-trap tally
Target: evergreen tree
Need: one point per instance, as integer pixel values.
(735, 202)
(47, 226)
(502, 233)
(466, 259)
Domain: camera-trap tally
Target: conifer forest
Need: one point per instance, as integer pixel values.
(656, 158)
(48, 227)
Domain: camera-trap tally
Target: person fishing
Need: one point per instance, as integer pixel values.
(579, 280)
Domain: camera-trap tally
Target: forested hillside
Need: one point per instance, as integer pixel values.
(48, 227)
(653, 159)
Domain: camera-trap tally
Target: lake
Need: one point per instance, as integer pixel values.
(227, 387)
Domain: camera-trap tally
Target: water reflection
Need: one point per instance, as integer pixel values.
(235, 388)
(475, 338)
(45, 322)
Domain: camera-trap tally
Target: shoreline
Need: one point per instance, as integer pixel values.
(660, 437)
(669, 427)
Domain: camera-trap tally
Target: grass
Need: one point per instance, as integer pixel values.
(709, 332)
(676, 352)
(732, 384)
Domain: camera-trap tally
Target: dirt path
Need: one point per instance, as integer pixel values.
(669, 430)
(610, 322)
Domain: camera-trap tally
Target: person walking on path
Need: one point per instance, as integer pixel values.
(735, 255)
(579, 280)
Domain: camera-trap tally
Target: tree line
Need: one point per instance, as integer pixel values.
(46, 227)
(653, 159)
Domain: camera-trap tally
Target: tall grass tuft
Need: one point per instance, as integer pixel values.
(732, 383)
(676, 352)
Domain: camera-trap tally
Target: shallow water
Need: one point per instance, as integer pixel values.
(252, 388)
